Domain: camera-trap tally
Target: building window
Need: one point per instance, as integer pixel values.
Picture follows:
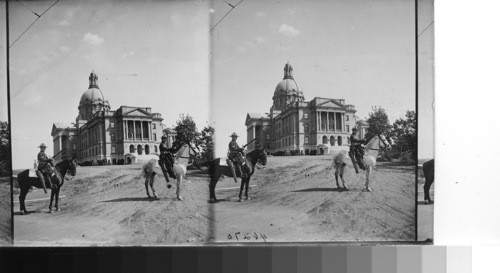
(154, 125)
(112, 125)
(306, 140)
(347, 128)
(112, 137)
(306, 116)
(156, 149)
(154, 137)
(132, 149)
(113, 149)
(306, 128)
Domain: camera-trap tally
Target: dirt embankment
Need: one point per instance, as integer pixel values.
(295, 199)
(108, 205)
(5, 212)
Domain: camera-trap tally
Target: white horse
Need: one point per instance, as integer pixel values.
(372, 149)
(182, 159)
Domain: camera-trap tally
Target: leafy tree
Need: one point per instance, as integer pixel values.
(4, 149)
(207, 144)
(186, 131)
(405, 135)
(378, 123)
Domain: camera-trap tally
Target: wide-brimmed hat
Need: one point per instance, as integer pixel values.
(163, 137)
(354, 129)
(233, 135)
(42, 145)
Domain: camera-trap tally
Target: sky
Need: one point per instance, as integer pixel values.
(146, 53)
(3, 66)
(361, 51)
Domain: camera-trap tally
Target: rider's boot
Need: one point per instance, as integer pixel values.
(243, 175)
(231, 166)
(42, 180)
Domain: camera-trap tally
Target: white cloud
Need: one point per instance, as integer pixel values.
(128, 54)
(288, 30)
(92, 39)
(261, 40)
(64, 23)
(64, 48)
(260, 14)
(176, 20)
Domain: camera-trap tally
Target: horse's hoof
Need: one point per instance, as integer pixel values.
(368, 189)
(58, 209)
(169, 186)
(213, 201)
(345, 189)
(240, 200)
(50, 211)
(247, 198)
(179, 198)
(429, 201)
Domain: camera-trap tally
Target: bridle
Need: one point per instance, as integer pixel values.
(379, 144)
(190, 149)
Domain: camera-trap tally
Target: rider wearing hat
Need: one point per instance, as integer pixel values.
(166, 157)
(234, 154)
(44, 169)
(355, 149)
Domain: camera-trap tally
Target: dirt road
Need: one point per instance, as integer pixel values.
(295, 199)
(5, 212)
(108, 205)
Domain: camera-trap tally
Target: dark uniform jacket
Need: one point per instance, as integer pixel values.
(355, 141)
(165, 152)
(43, 160)
(234, 149)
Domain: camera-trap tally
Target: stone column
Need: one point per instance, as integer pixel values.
(60, 145)
(343, 122)
(134, 135)
(327, 121)
(142, 130)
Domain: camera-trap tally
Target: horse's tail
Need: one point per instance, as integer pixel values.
(22, 179)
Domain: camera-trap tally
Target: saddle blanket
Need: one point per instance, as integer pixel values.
(223, 161)
(32, 173)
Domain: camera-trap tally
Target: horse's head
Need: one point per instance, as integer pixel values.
(262, 159)
(71, 169)
(384, 143)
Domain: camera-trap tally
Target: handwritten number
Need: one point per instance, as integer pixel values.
(264, 237)
(229, 236)
(236, 234)
(256, 236)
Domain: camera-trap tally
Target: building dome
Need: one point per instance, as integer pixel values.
(287, 90)
(93, 99)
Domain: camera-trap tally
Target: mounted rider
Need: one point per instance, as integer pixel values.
(356, 150)
(45, 168)
(235, 157)
(166, 157)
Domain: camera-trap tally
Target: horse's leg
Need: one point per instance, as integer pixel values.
(213, 182)
(242, 184)
(57, 198)
(52, 194)
(178, 191)
(367, 183)
(22, 197)
(337, 175)
(427, 187)
(342, 168)
(151, 184)
(247, 183)
(146, 183)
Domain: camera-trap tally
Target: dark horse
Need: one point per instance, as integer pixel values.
(428, 168)
(216, 171)
(25, 182)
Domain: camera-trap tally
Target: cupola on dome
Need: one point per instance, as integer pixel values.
(93, 99)
(287, 90)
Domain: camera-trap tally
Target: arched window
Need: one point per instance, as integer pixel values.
(139, 149)
(132, 149)
(339, 140)
(332, 140)
(325, 139)
(346, 118)
(146, 149)
(306, 140)
(156, 149)
(113, 149)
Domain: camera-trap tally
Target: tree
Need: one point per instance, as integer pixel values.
(186, 131)
(405, 135)
(378, 123)
(207, 144)
(4, 149)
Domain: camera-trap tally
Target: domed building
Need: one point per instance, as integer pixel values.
(104, 136)
(297, 126)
